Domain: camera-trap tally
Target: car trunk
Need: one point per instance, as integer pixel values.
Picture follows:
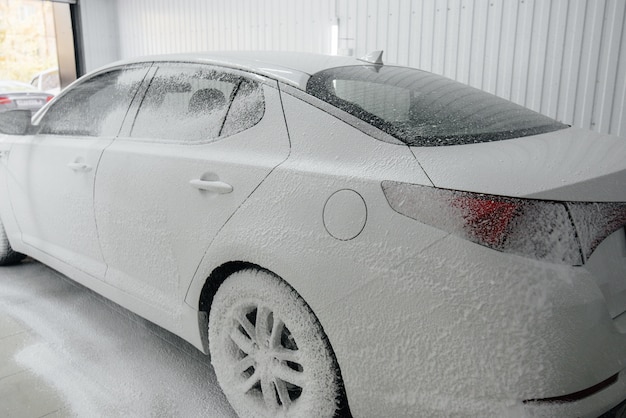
(569, 165)
(24, 100)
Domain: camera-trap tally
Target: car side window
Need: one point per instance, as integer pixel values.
(197, 103)
(247, 109)
(95, 107)
(185, 103)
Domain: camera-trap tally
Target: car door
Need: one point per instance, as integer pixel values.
(51, 174)
(201, 141)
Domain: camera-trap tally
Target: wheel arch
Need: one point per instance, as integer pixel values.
(207, 294)
(216, 278)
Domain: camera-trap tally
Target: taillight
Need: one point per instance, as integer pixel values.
(49, 98)
(596, 221)
(561, 232)
(486, 219)
(5, 100)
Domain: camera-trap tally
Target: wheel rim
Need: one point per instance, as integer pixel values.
(265, 358)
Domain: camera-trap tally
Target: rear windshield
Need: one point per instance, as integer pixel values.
(424, 109)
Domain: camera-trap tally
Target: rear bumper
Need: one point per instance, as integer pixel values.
(476, 334)
(607, 265)
(608, 403)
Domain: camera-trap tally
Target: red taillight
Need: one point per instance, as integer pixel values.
(4, 100)
(49, 98)
(561, 232)
(486, 219)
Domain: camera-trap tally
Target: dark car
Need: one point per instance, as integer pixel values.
(15, 95)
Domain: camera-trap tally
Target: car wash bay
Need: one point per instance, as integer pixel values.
(65, 351)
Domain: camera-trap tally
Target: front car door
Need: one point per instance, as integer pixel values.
(202, 140)
(51, 174)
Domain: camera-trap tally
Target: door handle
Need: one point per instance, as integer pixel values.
(4, 153)
(212, 186)
(80, 167)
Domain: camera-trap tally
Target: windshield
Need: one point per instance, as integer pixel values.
(424, 109)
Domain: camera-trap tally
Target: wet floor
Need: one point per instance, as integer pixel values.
(65, 351)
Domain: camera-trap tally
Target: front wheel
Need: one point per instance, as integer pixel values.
(270, 354)
(7, 255)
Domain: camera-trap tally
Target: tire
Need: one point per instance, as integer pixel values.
(7, 255)
(270, 354)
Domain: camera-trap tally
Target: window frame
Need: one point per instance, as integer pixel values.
(391, 130)
(132, 114)
(341, 115)
(40, 116)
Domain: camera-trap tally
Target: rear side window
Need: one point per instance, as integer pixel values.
(95, 107)
(424, 109)
(192, 103)
(247, 109)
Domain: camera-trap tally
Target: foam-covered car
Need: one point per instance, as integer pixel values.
(343, 237)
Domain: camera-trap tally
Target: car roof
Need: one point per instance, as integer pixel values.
(10, 86)
(294, 68)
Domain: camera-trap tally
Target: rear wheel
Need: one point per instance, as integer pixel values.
(7, 255)
(270, 354)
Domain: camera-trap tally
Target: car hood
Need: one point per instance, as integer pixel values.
(569, 165)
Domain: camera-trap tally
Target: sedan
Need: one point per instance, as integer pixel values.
(15, 95)
(341, 236)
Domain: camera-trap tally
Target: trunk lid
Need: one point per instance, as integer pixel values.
(570, 165)
(567, 165)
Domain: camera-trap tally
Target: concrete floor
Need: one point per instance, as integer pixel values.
(23, 393)
(65, 351)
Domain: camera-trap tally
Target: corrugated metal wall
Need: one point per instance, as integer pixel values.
(564, 58)
(100, 32)
(161, 26)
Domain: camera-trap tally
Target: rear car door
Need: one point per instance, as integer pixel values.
(51, 174)
(201, 141)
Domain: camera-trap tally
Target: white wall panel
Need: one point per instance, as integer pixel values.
(563, 58)
(165, 26)
(100, 33)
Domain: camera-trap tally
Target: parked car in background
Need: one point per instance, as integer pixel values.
(342, 236)
(48, 81)
(15, 95)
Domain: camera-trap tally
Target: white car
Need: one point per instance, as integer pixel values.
(48, 81)
(341, 236)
